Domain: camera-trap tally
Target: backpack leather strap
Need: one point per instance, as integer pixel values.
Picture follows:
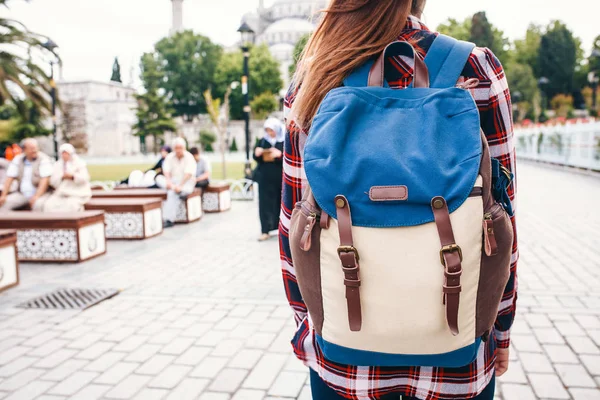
(420, 73)
(451, 258)
(350, 263)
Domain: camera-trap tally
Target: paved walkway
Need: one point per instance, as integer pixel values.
(203, 316)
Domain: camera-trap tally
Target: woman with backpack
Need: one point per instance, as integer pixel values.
(398, 236)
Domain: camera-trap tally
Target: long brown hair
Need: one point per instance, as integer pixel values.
(350, 33)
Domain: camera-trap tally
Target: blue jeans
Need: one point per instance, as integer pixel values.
(320, 391)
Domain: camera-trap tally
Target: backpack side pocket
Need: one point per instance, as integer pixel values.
(305, 236)
(495, 266)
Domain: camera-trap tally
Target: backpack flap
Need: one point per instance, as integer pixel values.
(425, 142)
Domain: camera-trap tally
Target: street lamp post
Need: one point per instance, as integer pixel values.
(594, 78)
(247, 40)
(516, 98)
(542, 83)
(51, 46)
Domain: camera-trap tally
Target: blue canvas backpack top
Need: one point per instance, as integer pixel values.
(401, 250)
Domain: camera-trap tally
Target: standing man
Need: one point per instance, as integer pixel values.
(31, 170)
(203, 169)
(179, 169)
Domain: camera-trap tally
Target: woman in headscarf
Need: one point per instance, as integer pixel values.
(71, 182)
(268, 153)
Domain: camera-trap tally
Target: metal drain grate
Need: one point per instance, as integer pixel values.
(70, 299)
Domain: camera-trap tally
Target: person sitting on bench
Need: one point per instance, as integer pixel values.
(179, 169)
(147, 178)
(71, 182)
(31, 170)
(203, 168)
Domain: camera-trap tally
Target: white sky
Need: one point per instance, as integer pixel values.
(91, 33)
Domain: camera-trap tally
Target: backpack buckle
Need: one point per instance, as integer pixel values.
(348, 249)
(451, 248)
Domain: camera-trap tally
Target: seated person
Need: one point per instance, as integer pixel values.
(179, 169)
(31, 171)
(203, 168)
(71, 182)
(156, 169)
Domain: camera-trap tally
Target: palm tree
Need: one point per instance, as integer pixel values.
(20, 77)
(219, 116)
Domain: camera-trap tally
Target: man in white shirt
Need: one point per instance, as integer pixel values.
(31, 171)
(179, 169)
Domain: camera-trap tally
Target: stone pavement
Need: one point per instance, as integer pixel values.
(203, 315)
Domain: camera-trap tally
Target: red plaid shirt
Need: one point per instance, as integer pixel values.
(365, 382)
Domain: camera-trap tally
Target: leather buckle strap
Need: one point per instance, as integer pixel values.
(348, 249)
(451, 257)
(349, 258)
(451, 248)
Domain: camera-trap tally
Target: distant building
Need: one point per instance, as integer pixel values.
(282, 25)
(97, 118)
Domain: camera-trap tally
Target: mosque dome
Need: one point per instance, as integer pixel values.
(282, 51)
(296, 8)
(287, 30)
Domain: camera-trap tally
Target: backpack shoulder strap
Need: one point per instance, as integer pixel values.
(446, 60)
(360, 76)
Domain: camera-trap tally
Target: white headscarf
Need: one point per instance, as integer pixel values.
(69, 165)
(278, 127)
(67, 148)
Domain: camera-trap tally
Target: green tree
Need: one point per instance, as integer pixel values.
(484, 34)
(21, 120)
(188, 62)
(479, 30)
(21, 76)
(523, 86)
(219, 116)
(234, 147)
(298, 49)
(557, 59)
(116, 71)
(263, 105)
(562, 104)
(456, 29)
(594, 59)
(153, 114)
(527, 49)
(207, 139)
(265, 76)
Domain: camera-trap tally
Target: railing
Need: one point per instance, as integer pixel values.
(571, 144)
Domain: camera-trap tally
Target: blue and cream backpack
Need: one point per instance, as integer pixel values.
(402, 242)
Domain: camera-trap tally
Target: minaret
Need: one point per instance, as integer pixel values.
(177, 16)
(261, 17)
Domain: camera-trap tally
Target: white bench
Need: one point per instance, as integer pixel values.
(216, 198)
(130, 218)
(9, 265)
(57, 237)
(190, 209)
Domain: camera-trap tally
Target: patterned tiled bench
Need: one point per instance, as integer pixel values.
(130, 218)
(9, 265)
(189, 210)
(57, 237)
(216, 198)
